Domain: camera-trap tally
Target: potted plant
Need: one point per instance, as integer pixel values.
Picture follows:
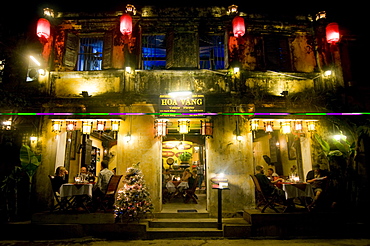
(185, 157)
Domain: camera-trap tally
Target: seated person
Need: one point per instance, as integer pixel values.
(318, 179)
(103, 179)
(83, 174)
(184, 180)
(267, 187)
(167, 181)
(273, 177)
(61, 177)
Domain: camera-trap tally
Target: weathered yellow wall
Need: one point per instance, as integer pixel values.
(143, 147)
(233, 158)
(94, 82)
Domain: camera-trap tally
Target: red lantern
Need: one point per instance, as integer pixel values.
(126, 24)
(238, 26)
(332, 33)
(43, 28)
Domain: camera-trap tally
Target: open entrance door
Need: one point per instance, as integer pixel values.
(180, 193)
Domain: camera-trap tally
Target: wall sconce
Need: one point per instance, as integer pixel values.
(85, 94)
(239, 138)
(48, 12)
(311, 126)
(236, 70)
(86, 127)
(128, 70)
(100, 125)
(285, 127)
(57, 126)
(127, 137)
(184, 126)
(268, 125)
(161, 128)
(7, 125)
(115, 125)
(33, 139)
(327, 73)
(206, 128)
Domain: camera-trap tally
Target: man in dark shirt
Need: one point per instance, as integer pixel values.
(318, 179)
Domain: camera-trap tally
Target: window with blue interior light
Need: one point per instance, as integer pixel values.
(153, 52)
(90, 54)
(212, 52)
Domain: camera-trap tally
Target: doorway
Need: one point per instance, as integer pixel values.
(173, 167)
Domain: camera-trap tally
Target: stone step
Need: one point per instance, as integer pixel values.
(183, 223)
(159, 233)
(193, 215)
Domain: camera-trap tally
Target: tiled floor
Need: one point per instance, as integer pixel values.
(178, 204)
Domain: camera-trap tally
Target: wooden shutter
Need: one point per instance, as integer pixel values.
(107, 50)
(71, 51)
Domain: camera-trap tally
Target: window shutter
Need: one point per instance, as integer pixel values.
(71, 51)
(107, 50)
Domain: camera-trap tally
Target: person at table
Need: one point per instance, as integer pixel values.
(318, 179)
(103, 179)
(272, 176)
(267, 186)
(184, 180)
(61, 177)
(167, 181)
(83, 173)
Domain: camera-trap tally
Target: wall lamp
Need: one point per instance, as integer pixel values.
(311, 126)
(71, 125)
(285, 127)
(206, 128)
(100, 125)
(127, 137)
(268, 125)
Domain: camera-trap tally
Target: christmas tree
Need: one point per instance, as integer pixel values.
(133, 200)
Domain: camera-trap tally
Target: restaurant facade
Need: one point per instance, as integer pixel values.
(144, 85)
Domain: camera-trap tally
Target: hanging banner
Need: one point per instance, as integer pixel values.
(182, 104)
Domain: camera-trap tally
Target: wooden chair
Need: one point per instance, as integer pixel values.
(108, 199)
(268, 200)
(62, 204)
(190, 193)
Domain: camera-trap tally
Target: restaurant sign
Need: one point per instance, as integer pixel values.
(194, 103)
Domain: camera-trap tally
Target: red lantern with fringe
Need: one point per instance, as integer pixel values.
(332, 33)
(238, 26)
(126, 24)
(43, 28)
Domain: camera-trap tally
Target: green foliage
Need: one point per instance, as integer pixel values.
(185, 156)
(29, 160)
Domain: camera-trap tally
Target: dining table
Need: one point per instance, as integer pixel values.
(296, 190)
(80, 194)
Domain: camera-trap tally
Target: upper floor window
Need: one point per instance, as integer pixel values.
(277, 53)
(211, 52)
(90, 54)
(153, 52)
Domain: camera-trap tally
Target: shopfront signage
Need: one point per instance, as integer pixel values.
(182, 104)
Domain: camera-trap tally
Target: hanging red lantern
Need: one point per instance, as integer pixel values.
(126, 24)
(332, 33)
(43, 28)
(238, 26)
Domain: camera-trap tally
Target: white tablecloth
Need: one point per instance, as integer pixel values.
(298, 190)
(68, 190)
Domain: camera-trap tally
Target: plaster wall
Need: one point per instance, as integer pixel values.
(95, 83)
(143, 147)
(233, 158)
